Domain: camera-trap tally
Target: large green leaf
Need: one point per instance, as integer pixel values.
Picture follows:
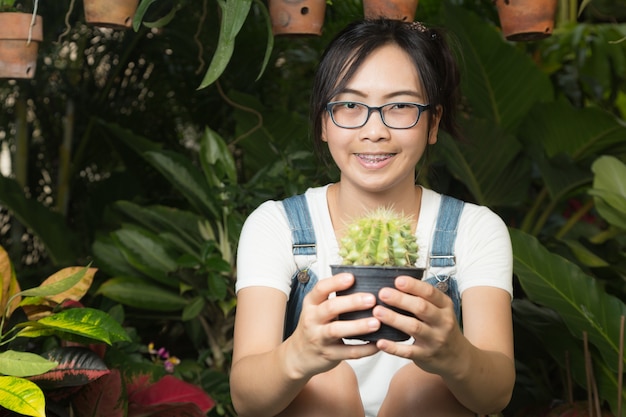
(22, 396)
(147, 253)
(48, 225)
(609, 190)
(234, 14)
(489, 163)
(161, 219)
(565, 349)
(500, 82)
(56, 287)
(24, 364)
(559, 128)
(187, 179)
(142, 294)
(83, 322)
(551, 280)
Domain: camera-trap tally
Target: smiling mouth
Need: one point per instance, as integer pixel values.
(374, 158)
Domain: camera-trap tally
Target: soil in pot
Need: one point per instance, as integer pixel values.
(371, 279)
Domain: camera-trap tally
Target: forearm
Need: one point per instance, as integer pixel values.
(482, 380)
(264, 384)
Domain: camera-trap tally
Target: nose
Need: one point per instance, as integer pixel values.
(374, 128)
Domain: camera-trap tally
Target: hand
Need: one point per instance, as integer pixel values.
(432, 324)
(318, 336)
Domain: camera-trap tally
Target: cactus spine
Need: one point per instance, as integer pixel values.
(381, 238)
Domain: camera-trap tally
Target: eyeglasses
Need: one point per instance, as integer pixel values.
(352, 114)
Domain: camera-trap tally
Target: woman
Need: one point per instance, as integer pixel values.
(382, 91)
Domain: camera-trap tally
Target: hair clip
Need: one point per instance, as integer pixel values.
(418, 26)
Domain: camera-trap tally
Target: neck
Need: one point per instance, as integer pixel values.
(345, 203)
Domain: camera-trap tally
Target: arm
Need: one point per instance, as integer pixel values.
(268, 374)
(477, 366)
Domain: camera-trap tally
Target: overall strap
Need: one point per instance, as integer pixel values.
(304, 250)
(442, 253)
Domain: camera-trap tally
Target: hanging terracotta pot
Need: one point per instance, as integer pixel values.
(117, 14)
(297, 17)
(19, 44)
(391, 9)
(526, 20)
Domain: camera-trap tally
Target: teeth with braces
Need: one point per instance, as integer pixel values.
(374, 158)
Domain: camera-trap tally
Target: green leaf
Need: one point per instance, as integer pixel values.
(48, 225)
(142, 294)
(193, 309)
(553, 281)
(161, 219)
(270, 37)
(234, 14)
(495, 175)
(559, 128)
(84, 322)
(143, 7)
(22, 396)
(146, 253)
(217, 161)
(495, 72)
(609, 190)
(24, 364)
(56, 287)
(561, 346)
(187, 179)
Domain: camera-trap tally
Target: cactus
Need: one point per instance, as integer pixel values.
(382, 237)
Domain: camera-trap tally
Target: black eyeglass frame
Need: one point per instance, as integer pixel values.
(420, 107)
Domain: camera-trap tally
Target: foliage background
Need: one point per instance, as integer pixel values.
(119, 158)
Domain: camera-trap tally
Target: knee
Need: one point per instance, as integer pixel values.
(413, 392)
(333, 393)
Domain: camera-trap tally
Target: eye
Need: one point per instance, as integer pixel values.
(349, 105)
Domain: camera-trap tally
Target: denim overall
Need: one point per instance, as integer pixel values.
(305, 254)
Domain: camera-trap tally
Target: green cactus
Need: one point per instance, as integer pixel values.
(382, 237)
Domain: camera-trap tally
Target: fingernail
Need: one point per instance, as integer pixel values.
(373, 324)
(368, 299)
(401, 282)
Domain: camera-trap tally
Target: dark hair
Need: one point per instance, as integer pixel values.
(427, 47)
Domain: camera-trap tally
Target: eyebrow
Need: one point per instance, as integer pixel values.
(391, 95)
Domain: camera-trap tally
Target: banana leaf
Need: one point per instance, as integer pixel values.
(553, 281)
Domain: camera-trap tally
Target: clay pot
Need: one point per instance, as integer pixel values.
(526, 20)
(371, 279)
(297, 17)
(117, 14)
(391, 9)
(19, 44)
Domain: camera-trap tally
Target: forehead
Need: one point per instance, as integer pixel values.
(388, 68)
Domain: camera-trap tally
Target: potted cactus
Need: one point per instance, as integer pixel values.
(376, 249)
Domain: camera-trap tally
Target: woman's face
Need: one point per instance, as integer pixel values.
(374, 157)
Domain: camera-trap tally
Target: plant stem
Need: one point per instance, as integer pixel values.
(530, 216)
(575, 218)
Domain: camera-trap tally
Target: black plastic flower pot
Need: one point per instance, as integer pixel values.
(370, 279)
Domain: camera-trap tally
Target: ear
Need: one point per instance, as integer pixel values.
(434, 125)
(324, 121)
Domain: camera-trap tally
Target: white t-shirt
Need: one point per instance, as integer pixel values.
(264, 258)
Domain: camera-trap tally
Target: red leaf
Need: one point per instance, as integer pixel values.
(165, 410)
(102, 398)
(172, 390)
(77, 366)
